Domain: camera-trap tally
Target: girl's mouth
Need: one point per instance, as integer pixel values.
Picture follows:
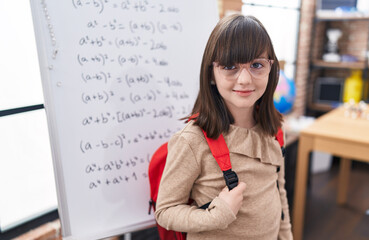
(243, 93)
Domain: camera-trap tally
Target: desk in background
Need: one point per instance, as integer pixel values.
(334, 133)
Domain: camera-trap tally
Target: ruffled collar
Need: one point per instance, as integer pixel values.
(253, 143)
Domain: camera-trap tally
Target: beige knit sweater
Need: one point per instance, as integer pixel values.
(192, 172)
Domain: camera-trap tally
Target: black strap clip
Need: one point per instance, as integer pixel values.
(151, 205)
(230, 178)
(283, 151)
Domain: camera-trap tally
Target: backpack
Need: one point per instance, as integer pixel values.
(219, 150)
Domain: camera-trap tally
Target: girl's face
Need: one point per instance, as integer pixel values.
(241, 85)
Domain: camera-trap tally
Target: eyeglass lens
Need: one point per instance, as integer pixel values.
(258, 68)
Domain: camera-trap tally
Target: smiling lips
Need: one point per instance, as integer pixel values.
(243, 93)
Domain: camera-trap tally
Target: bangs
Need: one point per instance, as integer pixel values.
(241, 41)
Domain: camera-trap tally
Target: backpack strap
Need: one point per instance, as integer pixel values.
(279, 138)
(220, 151)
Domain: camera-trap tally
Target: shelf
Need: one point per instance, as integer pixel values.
(333, 16)
(354, 42)
(347, 65)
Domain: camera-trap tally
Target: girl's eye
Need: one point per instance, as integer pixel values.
(256, 65)
(229, 67)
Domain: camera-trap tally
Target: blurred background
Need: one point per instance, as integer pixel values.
(323, 47)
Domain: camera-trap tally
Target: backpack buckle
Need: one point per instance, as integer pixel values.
(151, 205)
(283, 151)
(230, 178)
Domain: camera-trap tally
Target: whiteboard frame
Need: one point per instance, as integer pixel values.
(41, 37)
(119, 231)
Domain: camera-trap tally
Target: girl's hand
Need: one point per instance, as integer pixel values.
(234, 197)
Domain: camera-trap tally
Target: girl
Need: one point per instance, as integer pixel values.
(239, 74)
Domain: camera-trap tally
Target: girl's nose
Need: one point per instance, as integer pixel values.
(244, 77)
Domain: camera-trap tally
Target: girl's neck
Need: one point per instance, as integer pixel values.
(244, 118)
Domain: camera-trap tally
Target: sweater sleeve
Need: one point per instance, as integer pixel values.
(172, 209)
(285, 232)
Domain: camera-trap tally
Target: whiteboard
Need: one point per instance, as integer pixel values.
(117, 76)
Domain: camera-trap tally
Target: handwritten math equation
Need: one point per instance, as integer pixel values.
(117, 165)
(131, 80)
(133, 97)
(129, 73)
(120, 117)
(121, 141)
(133, 27)
(126, 5)
(120, 171)
(121, 43)
(126, 178)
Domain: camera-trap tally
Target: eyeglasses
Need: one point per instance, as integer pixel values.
(258, 68)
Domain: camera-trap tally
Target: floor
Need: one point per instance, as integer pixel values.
(324, 219)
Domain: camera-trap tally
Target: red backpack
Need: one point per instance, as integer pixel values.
(219, 149)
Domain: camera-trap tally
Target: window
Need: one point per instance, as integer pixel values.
(27, 185)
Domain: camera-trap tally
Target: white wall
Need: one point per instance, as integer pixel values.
(281, 19)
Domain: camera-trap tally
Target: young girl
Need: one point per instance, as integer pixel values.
(239, 74)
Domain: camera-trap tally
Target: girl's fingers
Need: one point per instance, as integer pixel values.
(241, 187)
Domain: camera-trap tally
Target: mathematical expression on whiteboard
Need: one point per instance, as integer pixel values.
(124, 73)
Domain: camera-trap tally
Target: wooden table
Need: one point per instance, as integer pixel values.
(334, 133)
